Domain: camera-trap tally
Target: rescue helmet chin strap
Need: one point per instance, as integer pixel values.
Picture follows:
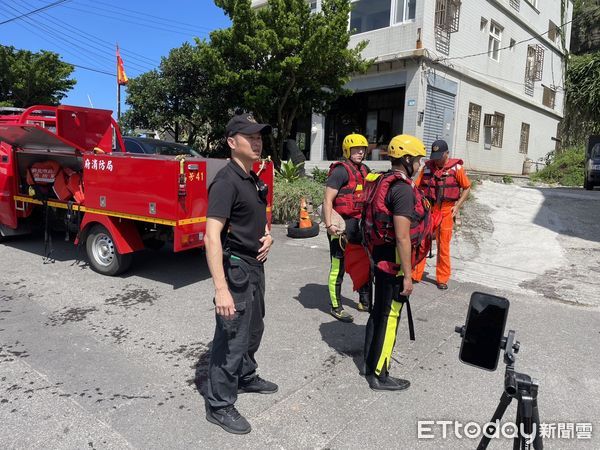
(407, 163)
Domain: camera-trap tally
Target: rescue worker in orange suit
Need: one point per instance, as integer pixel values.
(445, 183)
(344, 194)
(389, 215)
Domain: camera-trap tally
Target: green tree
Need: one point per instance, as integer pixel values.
(179, 97)
(585, 29)
(28, 78)
(582, 111)
(282, 62)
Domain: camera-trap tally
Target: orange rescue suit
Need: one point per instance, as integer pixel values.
(444, 234)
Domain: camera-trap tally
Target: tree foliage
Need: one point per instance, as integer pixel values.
(283, 62)
(279, 62)
(582, 83)
(28, 78)
(582, 112)
(179, 98)
(585, 30)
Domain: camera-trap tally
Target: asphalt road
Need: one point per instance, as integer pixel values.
(88, 361)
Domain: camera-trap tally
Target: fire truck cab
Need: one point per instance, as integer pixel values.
(65, 168)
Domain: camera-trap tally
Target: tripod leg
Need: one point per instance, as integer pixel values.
(505, 400)
(526, 432)
(518, 422)
(537, 443)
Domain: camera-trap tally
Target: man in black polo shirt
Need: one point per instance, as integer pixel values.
(237, 244)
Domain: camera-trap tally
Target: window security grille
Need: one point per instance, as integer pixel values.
(498, 130)
(473, 122)
(496, 123)
(447, 15)
(524, 142)
(535, 62)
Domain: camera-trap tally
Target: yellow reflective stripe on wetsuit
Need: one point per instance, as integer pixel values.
(334, 273)
(391, 328)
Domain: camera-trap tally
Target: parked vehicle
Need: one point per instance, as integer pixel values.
(66, 167)
(592, 163)
(157, 147)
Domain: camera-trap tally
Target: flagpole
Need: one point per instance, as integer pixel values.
(118, 87)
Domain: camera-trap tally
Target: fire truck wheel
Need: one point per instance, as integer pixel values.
(102, 252)
(295, 232)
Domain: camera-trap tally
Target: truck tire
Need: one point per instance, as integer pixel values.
(102, 252)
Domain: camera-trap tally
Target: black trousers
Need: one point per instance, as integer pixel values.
(382, 326)
(236, 341)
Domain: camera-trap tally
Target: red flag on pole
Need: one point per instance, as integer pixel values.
(121, 75)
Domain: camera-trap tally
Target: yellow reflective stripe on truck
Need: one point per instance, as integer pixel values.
(77, 207)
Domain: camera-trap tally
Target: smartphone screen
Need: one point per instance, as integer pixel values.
(484, 330)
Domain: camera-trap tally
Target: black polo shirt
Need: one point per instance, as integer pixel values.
(233, 195)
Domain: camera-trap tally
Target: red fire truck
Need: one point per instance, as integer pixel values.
(66, 167)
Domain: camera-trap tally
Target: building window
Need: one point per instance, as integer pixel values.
(549, 97)
(405, 10)
(516, 4)
(494, 41)
(512, 45)
(524, 142)
(447, 15)
(553, 33)
(369, 15)
(313, 5)
(473, 122)
(495, 122)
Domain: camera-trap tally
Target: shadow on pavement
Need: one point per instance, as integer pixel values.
(176, 269)
(570, 211)
(346, 339)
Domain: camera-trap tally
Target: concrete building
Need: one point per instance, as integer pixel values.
(485, 75)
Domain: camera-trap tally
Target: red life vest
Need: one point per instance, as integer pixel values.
(441, 185)
(43, 173)
(350, 198)
(48, 177)
(378, 220)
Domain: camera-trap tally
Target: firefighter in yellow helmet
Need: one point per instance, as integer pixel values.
(388, 216)
(344, 194)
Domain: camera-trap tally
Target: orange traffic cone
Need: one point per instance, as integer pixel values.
(305, 221)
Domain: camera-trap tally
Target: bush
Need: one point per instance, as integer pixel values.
(289, 172)
(507, 179)
(319, 175)
(566, 168)
(286, 198)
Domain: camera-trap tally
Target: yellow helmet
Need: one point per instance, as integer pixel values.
(405, 144)
(353, 140)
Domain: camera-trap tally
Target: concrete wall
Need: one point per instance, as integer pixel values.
(506, 159)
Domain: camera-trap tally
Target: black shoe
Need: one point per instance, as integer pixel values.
(387, 383)
(404, 384)
(442, 286)
(258, 385)
(229, 419)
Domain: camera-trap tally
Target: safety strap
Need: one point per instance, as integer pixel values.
(406, 301)
(48, 249)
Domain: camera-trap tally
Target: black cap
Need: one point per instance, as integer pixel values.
(245, 124)
(438, 148)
